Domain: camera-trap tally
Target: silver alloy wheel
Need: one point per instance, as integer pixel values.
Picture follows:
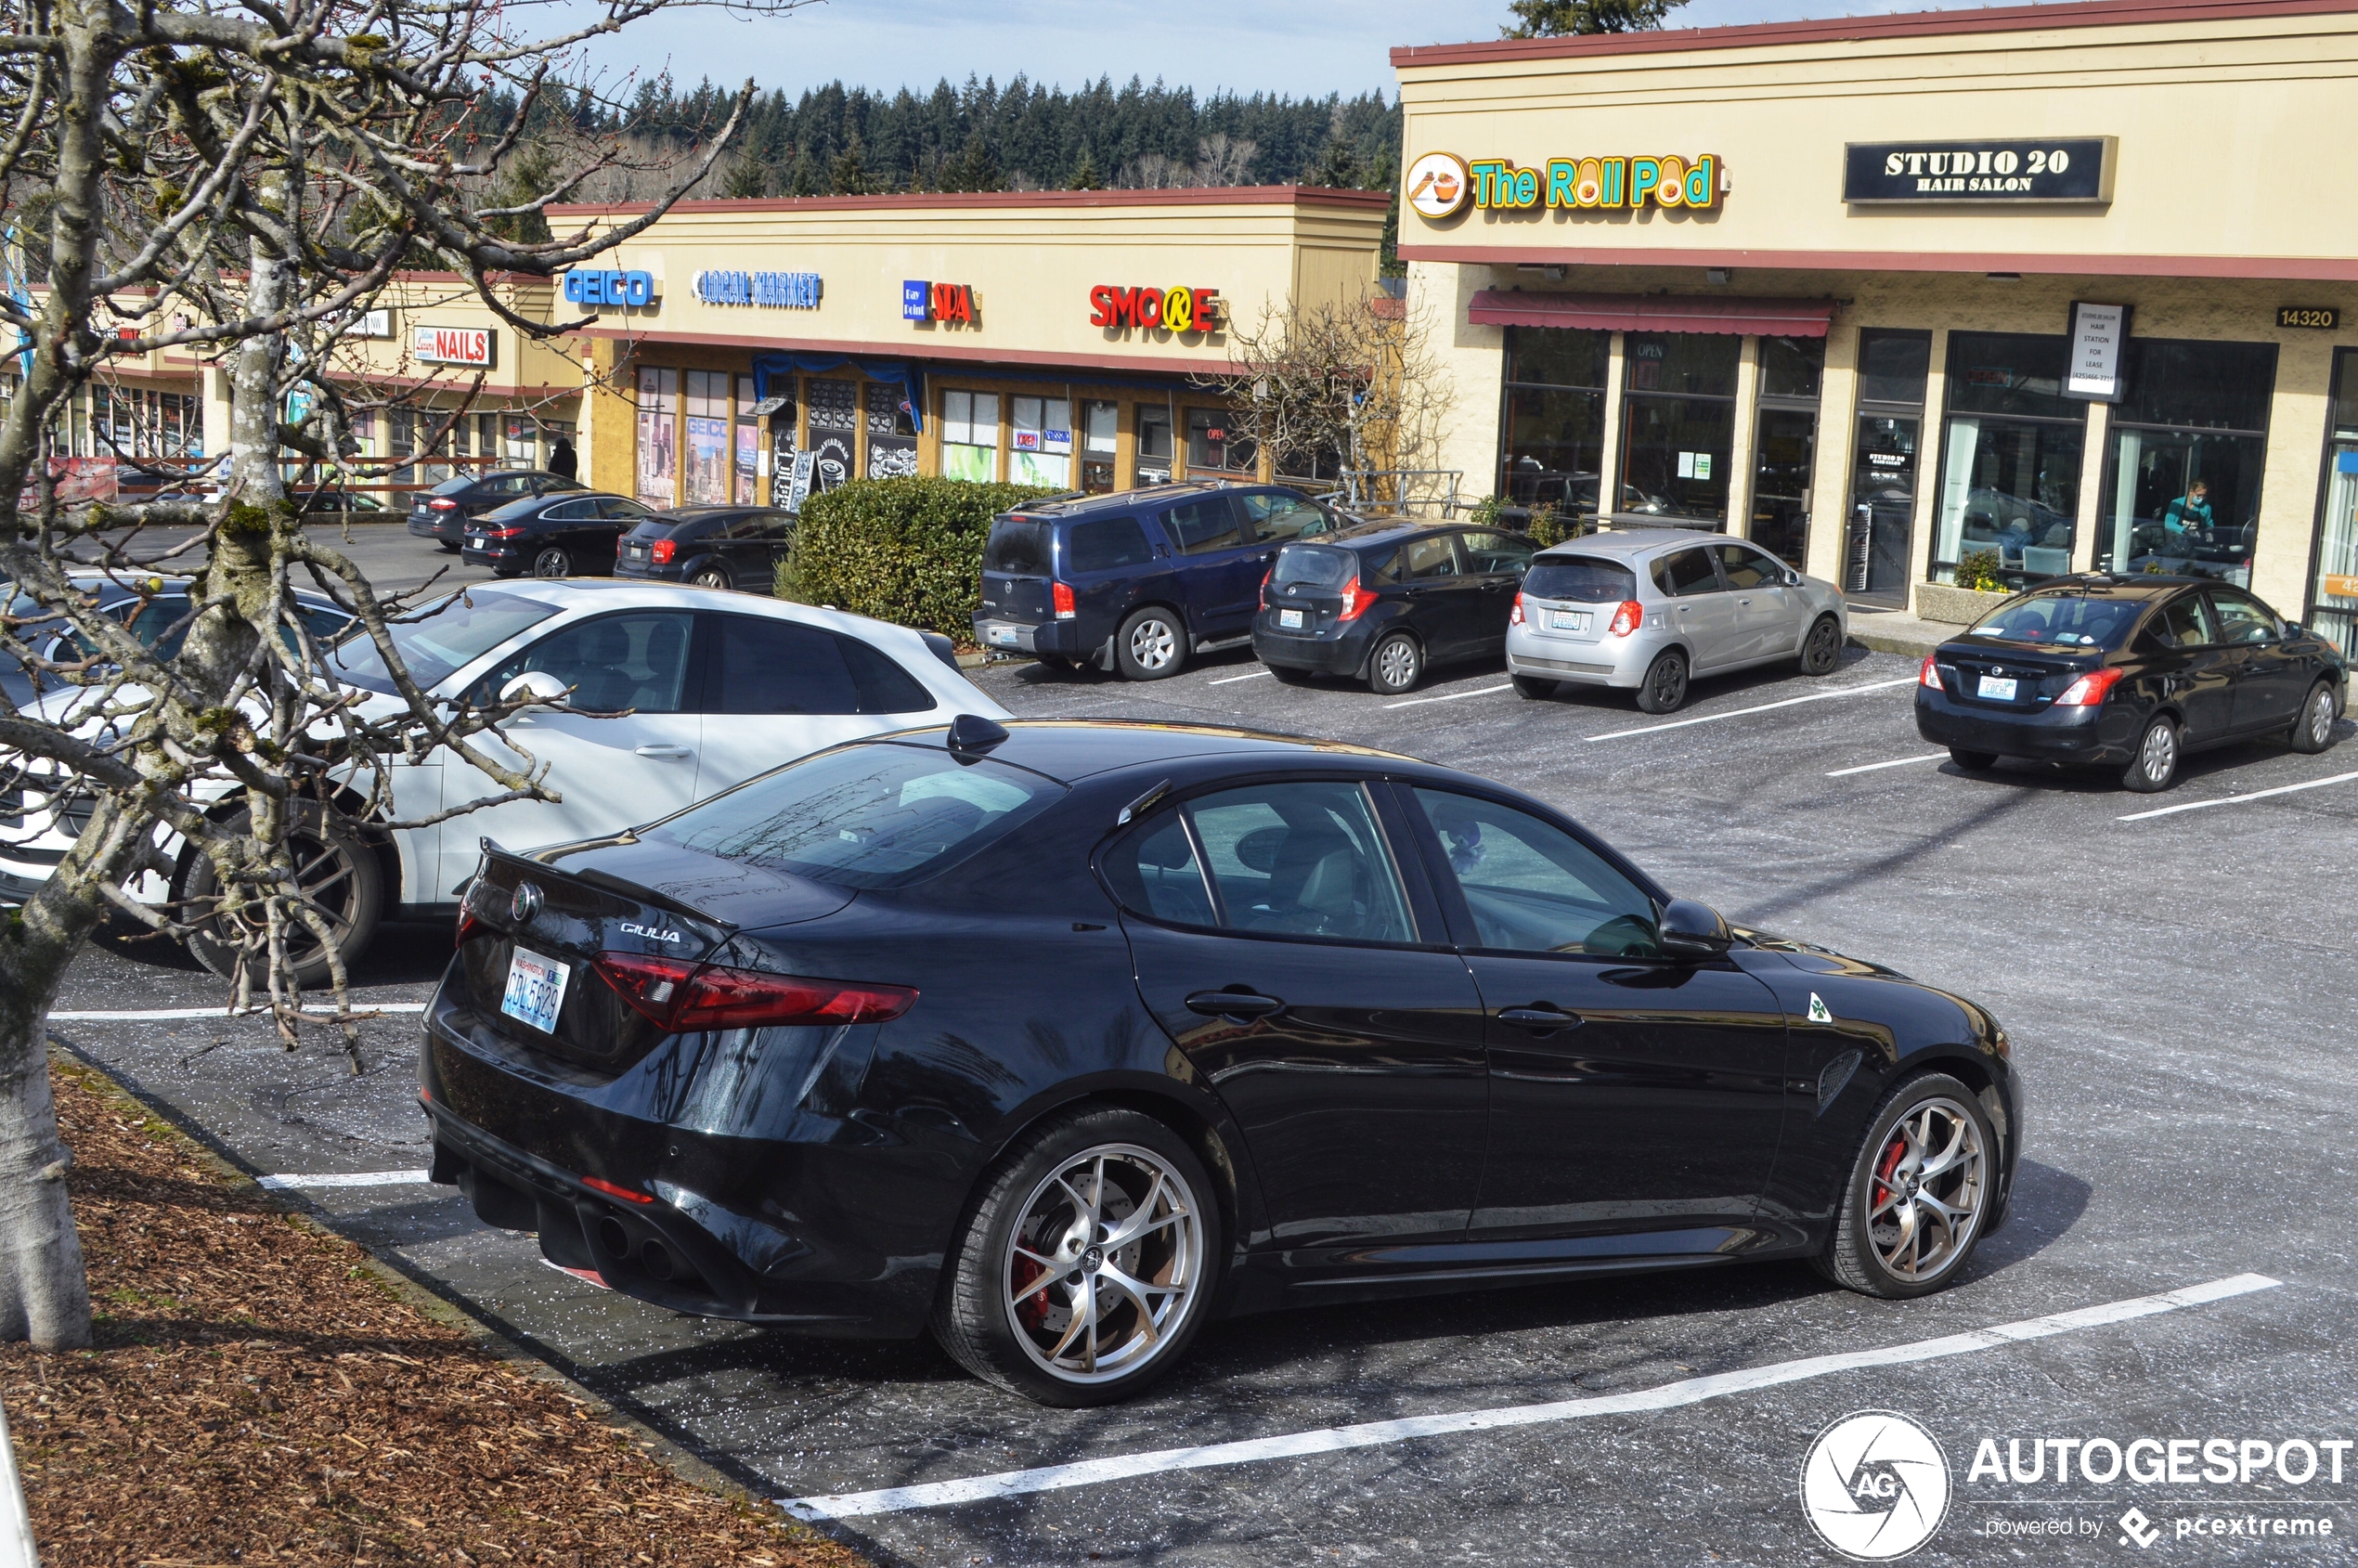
(330, 884)
(2159, 757)
(551, 563)
(1396, 663)
(1154, 642)
(1925, 1203)
(2321, 718)
(1103, 1265)
(711, 577)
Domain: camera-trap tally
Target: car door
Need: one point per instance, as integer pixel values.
(777, 689)
(1766, 608)
(1442, 599)
(1274, 942)
(1702, 611)
(608, 772)
(767, 537)
(2197, 672)
(1495, 566)
(1217, 562)
(1630, 1095)
(2268, 683)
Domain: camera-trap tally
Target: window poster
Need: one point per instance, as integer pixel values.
(707, 461)
(658, 457)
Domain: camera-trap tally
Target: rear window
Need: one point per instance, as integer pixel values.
(1016, 545)
(1583, 580)
(1314, 564)
(865, 816)
(453, 486)
(2058, 620)
(1106, 544)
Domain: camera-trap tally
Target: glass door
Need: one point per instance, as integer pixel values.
(2333, 598)
(1882, 505)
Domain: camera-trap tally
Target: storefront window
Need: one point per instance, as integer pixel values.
(744, 447)
(658, 457)
(1678, 425)
(835, 433)
(1154, 445)
(1214, 447)
(892, 435)
(970, 436)
(519, 442)
(1785, 446)
(708, 468)
(1893, 368)
(2182, 476)
(2333, 605)
(1555, 426)
(1097, 422)
(2010, 458)
(1040, 440)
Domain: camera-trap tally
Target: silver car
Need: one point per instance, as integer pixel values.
(1647, 609)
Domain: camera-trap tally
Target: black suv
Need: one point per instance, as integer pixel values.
(442, 513)
(1386, 600)
(1136, 581)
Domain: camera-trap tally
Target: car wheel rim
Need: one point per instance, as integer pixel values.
(2321, 717)
(1821, 646)
(1924, 1204)
(1397, 662)
(330, 884)
(2161, 752)
(1670, 680)
(1104, 1264)
(1152, 644)
(552, 564)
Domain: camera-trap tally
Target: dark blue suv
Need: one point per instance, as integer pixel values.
(1138, 580)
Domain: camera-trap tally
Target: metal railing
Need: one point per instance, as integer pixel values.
(1401, 492)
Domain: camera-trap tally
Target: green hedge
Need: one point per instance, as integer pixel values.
(906, 550)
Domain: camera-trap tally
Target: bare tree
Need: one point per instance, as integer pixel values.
(235, 179)
(1356, 384)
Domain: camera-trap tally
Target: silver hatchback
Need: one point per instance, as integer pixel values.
(1649, 609)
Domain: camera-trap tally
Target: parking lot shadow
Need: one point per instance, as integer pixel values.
(2047, 1202)
(1739, 684)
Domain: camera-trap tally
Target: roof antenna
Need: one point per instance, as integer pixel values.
(971, 734)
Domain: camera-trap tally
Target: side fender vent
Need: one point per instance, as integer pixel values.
(1836, 1077)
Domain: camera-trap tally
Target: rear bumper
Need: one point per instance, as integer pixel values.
(2054, 734)
(433, 527)
(1336, 655)
(1058, 639)
(1619, 662)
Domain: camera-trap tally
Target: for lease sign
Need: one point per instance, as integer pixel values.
(451, 346)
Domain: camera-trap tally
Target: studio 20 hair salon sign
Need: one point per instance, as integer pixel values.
(2055, 169)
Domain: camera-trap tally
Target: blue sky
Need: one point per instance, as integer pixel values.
(1305, 47)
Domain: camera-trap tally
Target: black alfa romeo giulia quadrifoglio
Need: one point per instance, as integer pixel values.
(1060, 1039)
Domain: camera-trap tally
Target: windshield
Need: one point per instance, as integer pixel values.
(443, 637)
(1582, 579)
(866, 816)
(1315, 565)
(2064, 620)
(1019, 546)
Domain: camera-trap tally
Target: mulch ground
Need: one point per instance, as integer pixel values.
(254, 1394)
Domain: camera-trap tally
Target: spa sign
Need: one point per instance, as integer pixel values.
(1440, 184)
(2053, 169)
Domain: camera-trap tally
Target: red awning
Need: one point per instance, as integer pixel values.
(1653, 313)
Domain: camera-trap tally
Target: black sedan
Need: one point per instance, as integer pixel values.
(444, 512)
(1385, 601)
(2131, 672)
(710, 546)
(1058, 1039)
(570, 534)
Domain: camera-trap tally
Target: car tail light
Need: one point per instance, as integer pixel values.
(628, 1195)
(503, 532)
(660, 551)
(2089, 689)
(1354, 601)
(442, 503)
(1930, 674)
(467, 925)
(1264, 586)
(1627, 618)
(1514, 615)
(1060, 594)
(682, 998)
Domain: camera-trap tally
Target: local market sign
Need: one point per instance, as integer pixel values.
(779, 290)
(1175, 309)
(2066, 169)
(451, 346)
(1442, 185)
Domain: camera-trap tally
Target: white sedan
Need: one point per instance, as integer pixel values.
(718, 688)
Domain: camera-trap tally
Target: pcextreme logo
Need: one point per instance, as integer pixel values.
(1874, 1485)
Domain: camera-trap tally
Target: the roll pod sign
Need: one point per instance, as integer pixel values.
(1172, 309)
(1665, 181)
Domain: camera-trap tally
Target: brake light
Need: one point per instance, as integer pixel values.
(682, 998)
(1264, 586)
(1514, 615)
(1627, 618)
(1060, 594)
(660, 551)
(1929, 675)
(467, 925)
(2089, 689)
(503, 532)
(611, 1190)
(1354, 601)
(442, 503)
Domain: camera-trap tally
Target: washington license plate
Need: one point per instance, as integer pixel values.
(1568, 620)
(1004, 636)
(535, 990)
(2002, 690)
(1289, 620)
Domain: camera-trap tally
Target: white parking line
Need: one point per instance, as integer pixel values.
(355, 1178)
(1668, 1396)
(1764, 708)
(2237, 799)
(168, 1013)
(1895, 762)
(1452, 696)
(1232, 680)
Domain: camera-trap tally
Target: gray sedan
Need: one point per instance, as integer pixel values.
(1647, 609)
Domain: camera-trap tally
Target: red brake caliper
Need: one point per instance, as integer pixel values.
(1891, 1159)
(1033, 1308)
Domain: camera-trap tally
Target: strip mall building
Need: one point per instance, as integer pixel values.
(1889, 292)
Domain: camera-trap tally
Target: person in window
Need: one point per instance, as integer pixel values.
(2016, 534)
(2187, 517)
(562, 461)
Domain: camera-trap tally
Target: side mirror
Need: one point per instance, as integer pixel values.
(536, 688)
(1792, 578)
(1693, 930)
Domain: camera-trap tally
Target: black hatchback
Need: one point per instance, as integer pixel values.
(2131, 672)
(560, 536)
(1384, 602)
(709, 547)
(442, 513)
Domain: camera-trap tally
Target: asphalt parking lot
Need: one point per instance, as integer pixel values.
(2179, 986)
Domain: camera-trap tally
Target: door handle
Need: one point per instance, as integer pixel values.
(1238, 1004)
(667, 753)
(1545, 1017)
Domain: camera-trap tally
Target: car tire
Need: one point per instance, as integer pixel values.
(1821, 649)
(1045, 1210)
(445, 547)
(1289, 676)
(1973, 761)
(1890, 1208)
(1394, 665)
(2153, 766)
(554, 561)
(711, 577)
(1151, 645)
(1533, 687)
(1664, 687)
(339, 871)
(2313, 731)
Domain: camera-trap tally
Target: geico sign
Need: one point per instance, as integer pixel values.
(635, 289)
(1174, 309)
(451, 346)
